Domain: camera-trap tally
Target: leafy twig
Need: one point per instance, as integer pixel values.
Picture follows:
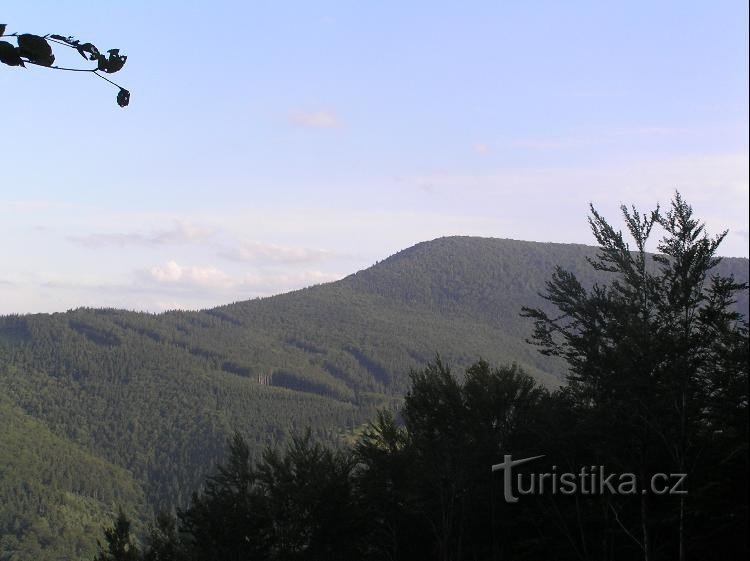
(36, 50)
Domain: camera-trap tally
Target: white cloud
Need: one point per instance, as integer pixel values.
(170, 286)
(173, 273)
(314, 119)
(481, 148)
(175, 286)
(205, 280)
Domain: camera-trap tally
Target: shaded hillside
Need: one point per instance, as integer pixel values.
(152, 398)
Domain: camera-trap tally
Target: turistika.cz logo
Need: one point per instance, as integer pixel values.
(589, 480)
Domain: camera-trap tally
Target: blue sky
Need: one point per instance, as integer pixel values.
(273, 145)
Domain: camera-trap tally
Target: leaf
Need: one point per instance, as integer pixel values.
(88, 48)
(113, 63)
(123, 97)
(36, 49)
(2, 29)
(69, 40)
(9, 54)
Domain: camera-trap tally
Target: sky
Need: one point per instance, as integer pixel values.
(273, 145)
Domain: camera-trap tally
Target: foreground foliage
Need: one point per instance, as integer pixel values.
(419, 486)
(37, 50)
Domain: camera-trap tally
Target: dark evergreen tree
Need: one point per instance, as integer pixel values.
(306, 495)
(225, 520)
(162, 542)
(426, 483)
(385, 483)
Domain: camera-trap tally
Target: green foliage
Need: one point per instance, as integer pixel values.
(307, 496)
(36, 50)
(454, 431)
(415, 491)
(418, 487)
(292, 505)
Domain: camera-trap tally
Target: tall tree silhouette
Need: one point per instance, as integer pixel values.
(649, 356)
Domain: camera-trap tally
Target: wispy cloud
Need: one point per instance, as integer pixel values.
(225, 244)
(30, 205)
(704, 176)
(179, 233)
(314, 119)
(586, 138)
(651, 130)
(258, 252)
(481, 147)
(548, 204)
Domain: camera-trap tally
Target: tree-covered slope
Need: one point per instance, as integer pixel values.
(156, 396)
(53, 492)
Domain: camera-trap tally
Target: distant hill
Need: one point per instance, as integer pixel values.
(100, 407)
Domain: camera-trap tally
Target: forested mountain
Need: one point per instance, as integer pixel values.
(106, 407)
